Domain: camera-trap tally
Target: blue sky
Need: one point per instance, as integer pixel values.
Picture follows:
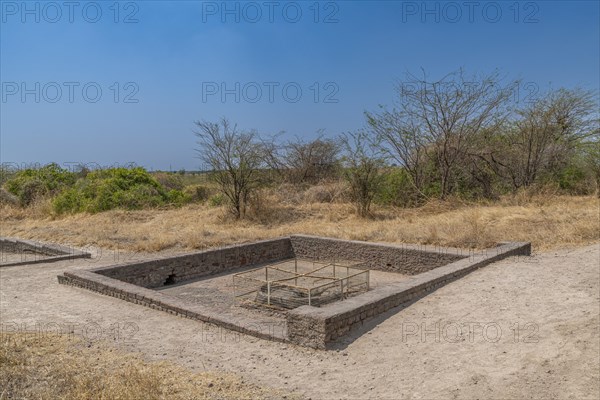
(159, 66)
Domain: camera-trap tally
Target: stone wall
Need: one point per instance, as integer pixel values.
(317, 327)
(174, 269)
(48, 252)
(20, 245)
(405, 259)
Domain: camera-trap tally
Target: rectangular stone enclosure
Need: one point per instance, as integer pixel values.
(191, 285)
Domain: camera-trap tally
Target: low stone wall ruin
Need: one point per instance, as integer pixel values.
(176, 269)
(404, 259)
(315, 327)
(47, 252)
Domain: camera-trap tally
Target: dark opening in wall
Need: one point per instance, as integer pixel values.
(170, 280)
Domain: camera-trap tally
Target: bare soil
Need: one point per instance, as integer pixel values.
(519, 328)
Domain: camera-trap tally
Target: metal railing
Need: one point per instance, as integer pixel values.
(286, 286)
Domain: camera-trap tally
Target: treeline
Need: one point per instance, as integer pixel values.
(459, 136)
(465, 137)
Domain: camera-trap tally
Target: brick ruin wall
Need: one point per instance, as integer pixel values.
(47, 252)
(408, 260)
(155, 273)
(404, 259)
(9, 245)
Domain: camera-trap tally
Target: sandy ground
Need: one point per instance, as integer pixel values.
(519, 328)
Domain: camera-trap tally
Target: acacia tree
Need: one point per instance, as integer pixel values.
(234, 157)
(362, 170)
(592, 159)
(438, 120)
(311, 161)
(545, 136)
(402, 142)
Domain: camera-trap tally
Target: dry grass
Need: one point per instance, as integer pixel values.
(44, 366)
(547, 221)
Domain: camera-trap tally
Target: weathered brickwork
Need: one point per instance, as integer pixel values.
(405, 259)
(154, 273)
(49, 252)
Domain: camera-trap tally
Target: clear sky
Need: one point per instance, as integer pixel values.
(117, 83)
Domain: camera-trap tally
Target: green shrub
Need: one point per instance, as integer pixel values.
(68, 201)
(126, 188)
(396, 189)
(31, 190)
(177, 197)
(573, 179)
(33, 183)
(216, 200)
(6, 173)
(197, 193)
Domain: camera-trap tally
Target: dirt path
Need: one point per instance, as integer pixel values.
(535, 334)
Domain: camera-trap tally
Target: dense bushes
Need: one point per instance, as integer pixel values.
(125, 188)
(98, 190)
(396, 189)
(33, 183)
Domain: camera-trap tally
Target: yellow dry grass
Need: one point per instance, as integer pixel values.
(49, 366)
(547, 221)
